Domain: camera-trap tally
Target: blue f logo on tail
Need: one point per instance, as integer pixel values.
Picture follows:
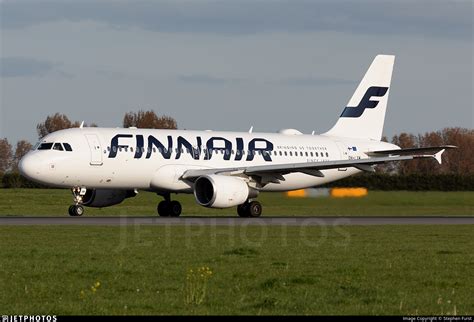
(365, 102)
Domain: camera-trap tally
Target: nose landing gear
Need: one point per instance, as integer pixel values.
(77, 210)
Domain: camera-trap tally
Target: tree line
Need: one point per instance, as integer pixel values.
(457, 163)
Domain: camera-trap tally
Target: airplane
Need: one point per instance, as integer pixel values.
(104, 166)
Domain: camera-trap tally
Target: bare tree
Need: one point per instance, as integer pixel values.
(57, 122)
(461, 160)
(6, 155)
(22, 148)
(149, 120)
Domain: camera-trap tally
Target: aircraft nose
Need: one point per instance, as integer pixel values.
(30, 166)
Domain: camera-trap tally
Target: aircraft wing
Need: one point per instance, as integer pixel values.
(274, 172)
(412, 151)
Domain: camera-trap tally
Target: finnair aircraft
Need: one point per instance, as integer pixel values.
(104, 166)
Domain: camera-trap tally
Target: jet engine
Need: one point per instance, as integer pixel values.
(219, 191)
(105, 197)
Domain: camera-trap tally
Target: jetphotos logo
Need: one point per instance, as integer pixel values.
(365, 102)
(29, 318)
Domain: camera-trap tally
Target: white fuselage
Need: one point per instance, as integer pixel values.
(155, 160)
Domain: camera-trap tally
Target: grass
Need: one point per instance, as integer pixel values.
(54, 202)
(396, 270)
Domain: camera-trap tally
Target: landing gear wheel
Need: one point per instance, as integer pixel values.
(254, 209)
(242, 210)
(163, 208)
(76, 210)
(174, 209)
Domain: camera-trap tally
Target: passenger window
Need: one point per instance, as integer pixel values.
(58, 146)
(311, 153)
(68, 147)
(327, 154)
(45, 146)
(306, 153)
(131, 149)
(317, 154)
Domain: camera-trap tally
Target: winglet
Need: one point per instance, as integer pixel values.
(437, 156)
(251, 129)
(82, 125)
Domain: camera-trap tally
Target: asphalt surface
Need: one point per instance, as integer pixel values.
(235, 221)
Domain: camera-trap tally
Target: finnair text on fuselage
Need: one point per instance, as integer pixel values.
(256, 146)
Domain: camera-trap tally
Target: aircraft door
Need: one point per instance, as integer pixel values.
(96, 151)
(343, 153)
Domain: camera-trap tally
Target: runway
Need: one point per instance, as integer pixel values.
(234, 221)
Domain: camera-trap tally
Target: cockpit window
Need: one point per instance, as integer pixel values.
(67, 147)
(45, 146)
(58, 146)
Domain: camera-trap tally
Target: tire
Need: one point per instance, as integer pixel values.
(174, 209)
(254, 209)
(78, 210)
(163, 208)
(242, 210)
(71, 213)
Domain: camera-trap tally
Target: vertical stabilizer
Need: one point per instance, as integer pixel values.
(365, 113)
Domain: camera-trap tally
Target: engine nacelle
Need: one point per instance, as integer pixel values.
(105, 197)
(218, 191)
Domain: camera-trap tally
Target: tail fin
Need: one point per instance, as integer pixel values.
(365, 113)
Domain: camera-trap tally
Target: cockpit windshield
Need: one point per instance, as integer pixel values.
(45, 146)
(55, 146)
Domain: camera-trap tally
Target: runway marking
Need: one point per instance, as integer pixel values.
(234, 221)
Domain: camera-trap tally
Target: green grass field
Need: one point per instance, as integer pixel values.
(400, 270)
(52, 202)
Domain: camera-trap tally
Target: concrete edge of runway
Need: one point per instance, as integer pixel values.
(236, 221)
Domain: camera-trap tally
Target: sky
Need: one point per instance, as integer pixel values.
(230, 65)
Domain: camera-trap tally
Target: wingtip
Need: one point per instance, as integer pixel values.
(438, 155)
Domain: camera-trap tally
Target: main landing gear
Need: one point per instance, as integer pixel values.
(77, 210)
(168, 208)
(250, 209)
